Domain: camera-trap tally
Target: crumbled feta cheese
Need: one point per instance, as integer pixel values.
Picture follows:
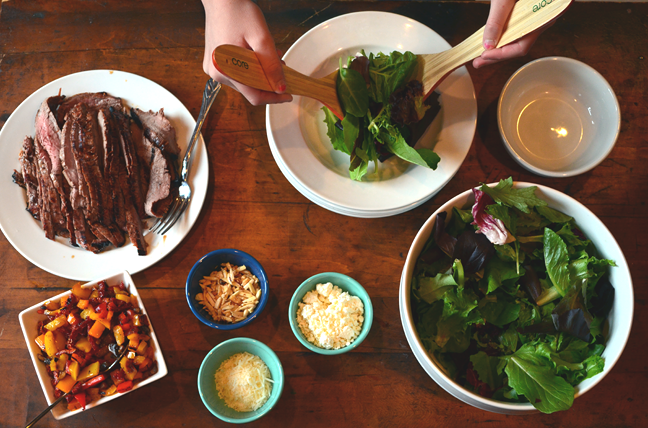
(329, 317)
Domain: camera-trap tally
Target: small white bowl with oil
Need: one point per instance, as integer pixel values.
(558, 117)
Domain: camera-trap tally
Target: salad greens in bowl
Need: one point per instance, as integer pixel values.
(516, 298)
(385, 110)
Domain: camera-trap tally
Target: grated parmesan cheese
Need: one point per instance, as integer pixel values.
(329, 317)
(244, 382)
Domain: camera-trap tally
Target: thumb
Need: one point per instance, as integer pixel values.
(497, 19)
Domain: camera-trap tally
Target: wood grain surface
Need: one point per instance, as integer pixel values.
(252, 207)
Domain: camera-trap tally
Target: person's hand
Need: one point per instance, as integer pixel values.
(241, 23)
(497, 17)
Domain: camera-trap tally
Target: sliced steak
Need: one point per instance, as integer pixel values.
(159, 170)
(92, 100)
(112, 159)
(85, 139)
(48, 135)
(136, 187)
(46, 193)
(28, 167)
(158, 130)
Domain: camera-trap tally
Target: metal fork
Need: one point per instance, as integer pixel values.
(181, 202)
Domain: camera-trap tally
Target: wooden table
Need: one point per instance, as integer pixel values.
(252, 207)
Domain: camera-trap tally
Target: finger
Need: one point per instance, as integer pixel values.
(271, 64)
(258, 98)
(512, 50)
(497, 18)
(481, 62)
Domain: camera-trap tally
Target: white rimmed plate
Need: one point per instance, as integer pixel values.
(59, 257)
(298, 136)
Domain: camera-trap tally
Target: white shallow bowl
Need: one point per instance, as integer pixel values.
(620, 317)
(29, 319)
(558, 117)
(297, 134)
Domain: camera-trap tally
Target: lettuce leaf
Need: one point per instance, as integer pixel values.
(531, 374)
(556, 260)
(522, 199)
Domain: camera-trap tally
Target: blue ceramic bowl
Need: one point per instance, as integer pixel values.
(210, 262)
(213, 360)
(347, 284)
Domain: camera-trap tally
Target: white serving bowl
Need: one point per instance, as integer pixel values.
(29, 319)
(558, 117)
(620, 317)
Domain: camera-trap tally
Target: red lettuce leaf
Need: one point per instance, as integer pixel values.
(474, 250)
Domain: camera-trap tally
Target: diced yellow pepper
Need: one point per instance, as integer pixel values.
(105, 322)
(50, 344)
(60, 340)
(40, 341)
(83, 344)
(124, 297)
(97, 329)
(131, 355)
(53, 313)
(83, 304)
(119, 334)
(133, 299)
(109, 391)
(80, 292)
(94, 294)
(56, 323)
(73, 369)
(52, 365)
(60, 364)
(89, 371)
(87, 312)
(66, 384)
(51, 305)
(141, 349)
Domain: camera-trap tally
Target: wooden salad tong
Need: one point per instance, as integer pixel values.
(242, 65)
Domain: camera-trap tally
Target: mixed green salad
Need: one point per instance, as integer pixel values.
(511, 298)
(382, 99)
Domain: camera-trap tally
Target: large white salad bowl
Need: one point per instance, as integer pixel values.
(620, 317)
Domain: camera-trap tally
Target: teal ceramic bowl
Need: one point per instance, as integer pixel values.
(347, 284)
(211, 363)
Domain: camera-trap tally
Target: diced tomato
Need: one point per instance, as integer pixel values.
(125, 386)
(81, 398)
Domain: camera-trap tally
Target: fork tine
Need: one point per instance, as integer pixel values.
(163, 221)
(176, 216)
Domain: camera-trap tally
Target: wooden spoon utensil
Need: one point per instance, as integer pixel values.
(242, 65)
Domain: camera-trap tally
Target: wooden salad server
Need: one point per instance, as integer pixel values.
(242, 65)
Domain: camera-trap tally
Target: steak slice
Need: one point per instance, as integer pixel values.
(29, 175)
(48, 135)
(112, 159)
(160, 192)
(158, 130)
(46, 193)
(92, 100)
(85, 139)
(136, 188)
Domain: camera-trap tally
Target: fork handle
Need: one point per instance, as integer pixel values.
(212, 88)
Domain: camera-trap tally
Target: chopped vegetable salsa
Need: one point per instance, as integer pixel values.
(512, 299)
(84, 333)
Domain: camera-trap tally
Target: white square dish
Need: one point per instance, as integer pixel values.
(29, 319)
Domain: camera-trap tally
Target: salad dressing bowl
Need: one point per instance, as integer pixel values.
(558, 117)
(619, 319)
